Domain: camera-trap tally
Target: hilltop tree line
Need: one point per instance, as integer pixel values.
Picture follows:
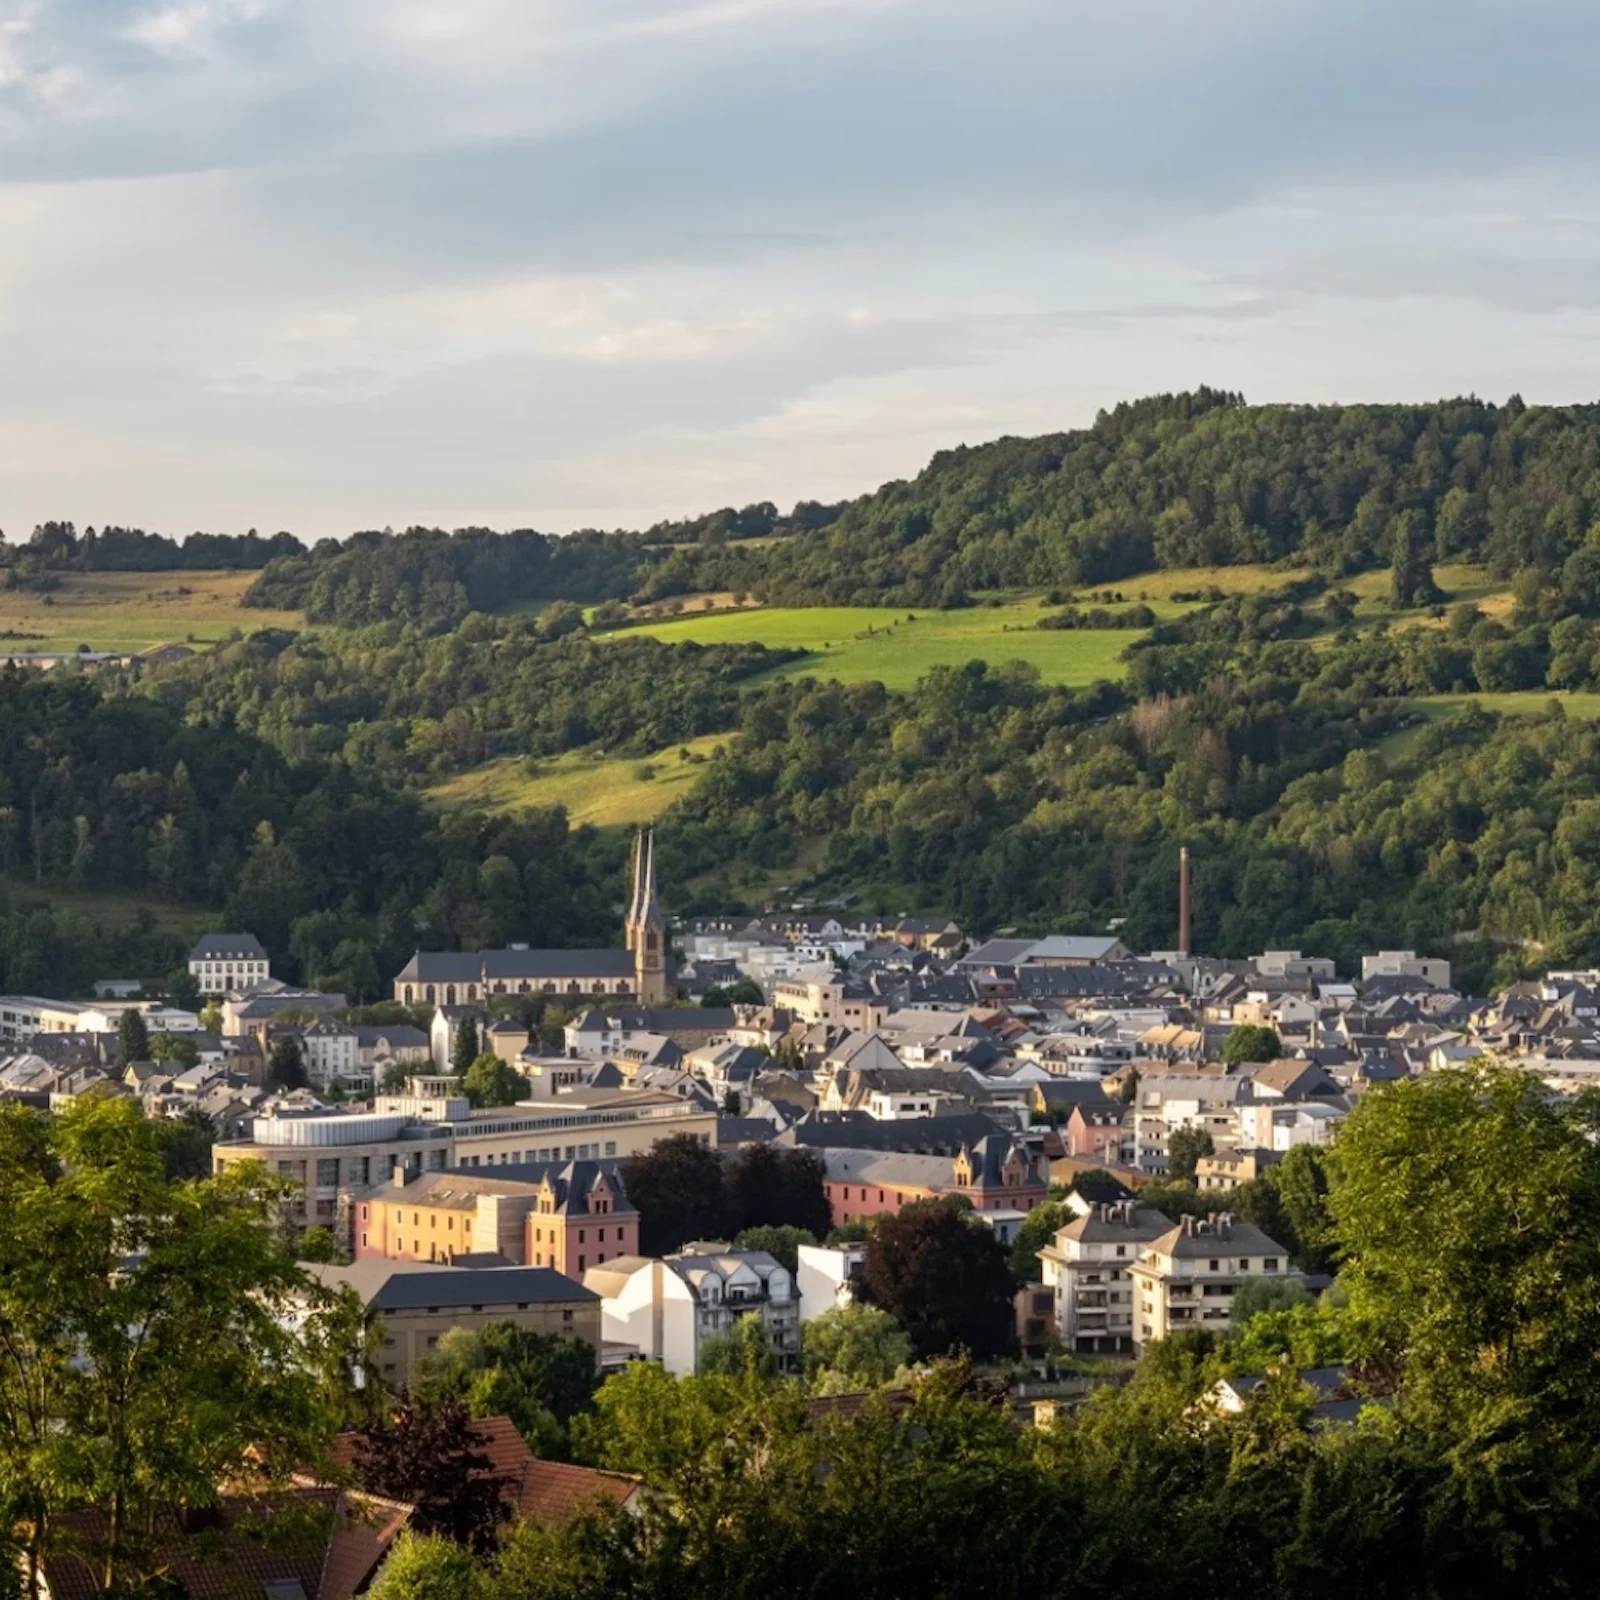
(57, 547)
(1180, 480)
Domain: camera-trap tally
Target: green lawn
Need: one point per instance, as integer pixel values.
(604, 792)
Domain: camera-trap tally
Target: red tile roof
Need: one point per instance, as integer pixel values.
(327, 1540)
(541, 1491)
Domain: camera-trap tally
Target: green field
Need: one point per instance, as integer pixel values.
(606, 793)
(1397, 748)
(897, 647)
(133, 610)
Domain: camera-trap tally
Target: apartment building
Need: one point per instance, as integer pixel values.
(1187, 1278)
(1085, 1267)
(667, 1309)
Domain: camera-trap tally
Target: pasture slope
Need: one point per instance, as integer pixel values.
(603, 792)
(134, 610)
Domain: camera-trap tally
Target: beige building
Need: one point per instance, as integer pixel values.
(417, 1302)
(1085, 1268)
(823, 996)
(1187, 1278)
(337, 1157)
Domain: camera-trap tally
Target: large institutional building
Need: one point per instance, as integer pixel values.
(637, 973)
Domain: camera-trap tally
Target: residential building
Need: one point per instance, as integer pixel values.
(1086, 1268)
(826, 1276)
(638, 972)
(1431, 970)
(300, 1542)
(1187, 1278)
(418, 1303)
(1100, 1131)
(667, 1309)
(226, 963)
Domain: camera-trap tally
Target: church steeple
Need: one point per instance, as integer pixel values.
(647, 928)
(631, 922)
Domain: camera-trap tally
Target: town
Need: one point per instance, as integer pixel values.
(477, 1146)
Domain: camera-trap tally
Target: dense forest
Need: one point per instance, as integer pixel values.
(341, 873)
(399, 703)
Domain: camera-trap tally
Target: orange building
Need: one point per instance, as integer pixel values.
(570, 1216)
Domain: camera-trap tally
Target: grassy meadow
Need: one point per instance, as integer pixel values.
(896, 647)
(133, 610)
(606, 792)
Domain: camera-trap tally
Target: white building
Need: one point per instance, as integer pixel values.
(1086, 1269)
(826, 1277)
(225, 962)
(667, 1309)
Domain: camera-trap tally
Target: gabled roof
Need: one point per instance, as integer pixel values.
(398, 1285)
(276, 1538)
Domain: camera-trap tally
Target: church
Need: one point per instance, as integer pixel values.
(637, 974)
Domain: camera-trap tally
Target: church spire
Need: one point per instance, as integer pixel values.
(647, 928)
(649, 909)
(630, 923)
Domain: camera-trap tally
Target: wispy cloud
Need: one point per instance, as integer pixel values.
(584, 260)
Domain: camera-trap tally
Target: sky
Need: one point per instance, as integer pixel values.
(334, 264)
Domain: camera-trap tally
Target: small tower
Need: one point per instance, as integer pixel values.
(647, 928)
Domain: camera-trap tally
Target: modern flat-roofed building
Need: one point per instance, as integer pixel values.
(338, 1156)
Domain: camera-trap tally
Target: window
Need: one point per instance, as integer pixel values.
(581, 1263)
(581, 1235)
(1216, 1266)
(566, 1316)
(363, 1241)
(1122, 1249)
(1269, 1263)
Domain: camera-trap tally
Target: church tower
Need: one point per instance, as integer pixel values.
(647, 928)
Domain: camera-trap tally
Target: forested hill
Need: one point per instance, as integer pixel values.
(1202, 479)
(1172, 481)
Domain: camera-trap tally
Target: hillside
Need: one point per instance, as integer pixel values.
(1171, 481)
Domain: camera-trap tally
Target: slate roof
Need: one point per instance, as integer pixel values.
(485, 966)
(398, 1286)
(228, 947)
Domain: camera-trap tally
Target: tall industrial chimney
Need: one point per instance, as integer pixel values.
(1183, 900)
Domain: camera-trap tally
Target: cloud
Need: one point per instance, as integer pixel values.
(312, 264)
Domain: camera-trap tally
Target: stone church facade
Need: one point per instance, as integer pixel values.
(637, 973)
